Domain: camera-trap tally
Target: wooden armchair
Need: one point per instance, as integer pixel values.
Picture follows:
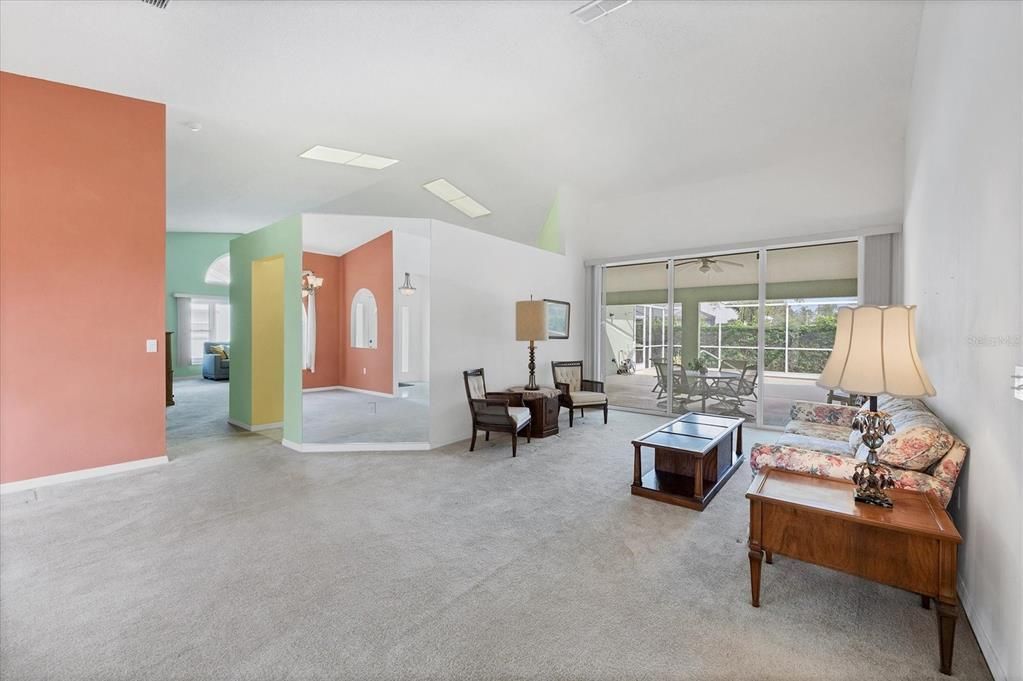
(576, 391)
(497, 412)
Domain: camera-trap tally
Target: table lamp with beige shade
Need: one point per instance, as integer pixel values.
(875, 353)
(531, 325)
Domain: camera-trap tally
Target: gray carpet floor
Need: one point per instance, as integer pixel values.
(332, 416)
(244, 560)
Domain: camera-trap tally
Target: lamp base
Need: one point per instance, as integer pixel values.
(872, 480)
(531, 385)
(871, 477)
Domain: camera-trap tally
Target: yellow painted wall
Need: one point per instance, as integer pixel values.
(268, 340)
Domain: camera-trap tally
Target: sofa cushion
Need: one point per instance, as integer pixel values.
(826, 431)
(817, 412)
(920, 438)
(820, 444)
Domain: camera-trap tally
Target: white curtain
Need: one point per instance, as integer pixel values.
(183, 340)
(309, 333)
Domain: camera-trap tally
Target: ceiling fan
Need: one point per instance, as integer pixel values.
(708, 264)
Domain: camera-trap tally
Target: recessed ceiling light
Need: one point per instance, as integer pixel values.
(194, 126)
(597, 9)
(452, 195)
(444, 190)
(348, 158)
(371, 161)
(470, 207)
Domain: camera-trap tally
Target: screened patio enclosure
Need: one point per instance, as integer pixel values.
(743, 334)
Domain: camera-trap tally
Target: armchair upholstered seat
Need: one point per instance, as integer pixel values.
(214, 365)
(497, 412)
(576, 391)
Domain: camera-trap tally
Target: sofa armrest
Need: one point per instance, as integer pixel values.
(948, 467)
(837, 467)
(819, 412)
(801, 460)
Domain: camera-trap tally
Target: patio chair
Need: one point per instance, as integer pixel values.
(683, 391)
(576, 391)
(497, 412)
(737, 391)
(662, 379)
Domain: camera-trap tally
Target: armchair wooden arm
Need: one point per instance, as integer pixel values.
(593, 386)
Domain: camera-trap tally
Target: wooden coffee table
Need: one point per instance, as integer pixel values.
(692, 459)
(912, 546)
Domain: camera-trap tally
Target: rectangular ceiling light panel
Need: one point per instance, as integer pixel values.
(450, 194)
(371, 161)
(596, 9)
(347, 158)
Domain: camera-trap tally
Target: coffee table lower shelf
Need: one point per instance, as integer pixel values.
(673, 488)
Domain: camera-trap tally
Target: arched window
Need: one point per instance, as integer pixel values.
(220, 271)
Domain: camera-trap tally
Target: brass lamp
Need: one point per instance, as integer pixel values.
(875, 353)
(531, 325)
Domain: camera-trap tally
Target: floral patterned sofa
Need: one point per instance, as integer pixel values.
(923, 454)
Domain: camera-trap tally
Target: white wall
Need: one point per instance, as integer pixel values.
(476, 279)
(412, 255)
(851, 183)
(963, 255)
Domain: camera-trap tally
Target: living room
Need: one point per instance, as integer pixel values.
(678, 340)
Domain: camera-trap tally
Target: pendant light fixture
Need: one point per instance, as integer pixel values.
(407, 289)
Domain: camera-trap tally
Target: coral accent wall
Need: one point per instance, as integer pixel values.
(82, 228)
(328, 323)
(369, 266)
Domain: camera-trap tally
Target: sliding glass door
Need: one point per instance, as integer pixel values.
(805, 288)
(717, 370)
(636, 335)
(743, 334)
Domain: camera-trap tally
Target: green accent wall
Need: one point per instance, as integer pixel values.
(281, 238)
(189, 255)
(690, 299)
(550, 233)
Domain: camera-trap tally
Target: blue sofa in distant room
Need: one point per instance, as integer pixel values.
(216, 360)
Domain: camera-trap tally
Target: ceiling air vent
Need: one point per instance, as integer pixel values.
(160, 4)
(597, 9)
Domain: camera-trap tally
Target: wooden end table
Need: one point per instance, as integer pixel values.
(692, 459)
(544, 408)
(912, 546)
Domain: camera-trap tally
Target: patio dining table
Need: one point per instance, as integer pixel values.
(705, 383)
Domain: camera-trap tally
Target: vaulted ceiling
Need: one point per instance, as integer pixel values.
(511, 101)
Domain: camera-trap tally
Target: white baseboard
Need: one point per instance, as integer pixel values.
(994, 664)
(317, 447)
(365, 392)
(344, 387)
(59, 478)
(255, 428)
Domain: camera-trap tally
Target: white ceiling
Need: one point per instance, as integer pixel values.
(510, 101)
(337, 234)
